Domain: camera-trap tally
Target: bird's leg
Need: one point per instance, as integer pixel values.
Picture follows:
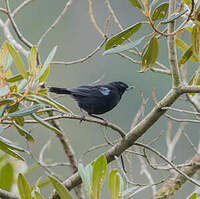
(105, 121)
(82, 115)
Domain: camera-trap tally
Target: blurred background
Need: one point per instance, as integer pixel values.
(76, 37)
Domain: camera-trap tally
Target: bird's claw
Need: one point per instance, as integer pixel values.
(82, 118)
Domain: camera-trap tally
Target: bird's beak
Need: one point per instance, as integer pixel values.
(130, 87)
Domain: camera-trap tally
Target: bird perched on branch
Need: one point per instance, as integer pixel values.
(95, 100)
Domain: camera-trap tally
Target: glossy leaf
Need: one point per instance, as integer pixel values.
(46, 124)
(15, 78)
(17, 60)
(23, 187)
(119, 38)
(24, 132)
(184, 47)
(62, 191)
(44, 76)
(149, 59)
(47, 62)
(6, 177)
(4, 90)
(26, 111)
(160, 12)
(135, 3)
(174, 17)
(193, 196)
(186, 56)
(11, 152)
(124, 47)
(196, 40)
(98, 176)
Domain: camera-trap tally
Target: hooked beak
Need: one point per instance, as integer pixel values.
(130, 87)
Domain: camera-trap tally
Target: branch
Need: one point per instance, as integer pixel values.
(7, 195)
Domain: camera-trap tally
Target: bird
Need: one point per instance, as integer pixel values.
(95, 99)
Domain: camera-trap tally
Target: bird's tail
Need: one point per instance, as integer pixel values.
(59, 90)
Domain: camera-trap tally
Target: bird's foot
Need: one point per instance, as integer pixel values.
(82, 118)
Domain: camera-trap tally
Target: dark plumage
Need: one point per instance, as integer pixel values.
(96, 99)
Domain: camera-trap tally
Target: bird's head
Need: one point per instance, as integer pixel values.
(121, 86)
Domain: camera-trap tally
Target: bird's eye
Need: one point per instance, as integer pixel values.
(104, 90)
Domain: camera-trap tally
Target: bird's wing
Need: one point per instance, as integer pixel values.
(90, 91)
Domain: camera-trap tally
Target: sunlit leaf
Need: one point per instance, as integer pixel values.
(188, 2)
(6, 177)
(47, 62)
(7, 62)
(4, 90)
(124, 47)
(23, 187)
(186, 56)
(46, 124)
(98, 176)
(174, 17)
(62, 191)
(3, 109)
(23, 132)
(135, 3)
(149, 59)
(196, 40)
(160, 12)
(15, 78)
(193, 196)
(33, 61)
(44, 76)
(26, 111)
(119, 38)
(17, 60)
(195, 80)
(37, 195)
(153, 3)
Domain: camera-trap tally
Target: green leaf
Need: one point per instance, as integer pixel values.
(8, 62)
(22, 85)
(6, 177)
(124, 47)
(24, 132)
(62, 191)
(15, 78)
(149, 59)
(7, 143)
(46, 124)
(119, 38)
(98, 175)
(26, 111)
(23, 187)
(184, 47)
(33, 61)
(4, 90)
(153, 3)
(47, 62)
(160, 12)
(17, 60)
(186, 56)
(196, 40)
(196, 78)
(193, 196)
(6, 101)
(10, 152)
(3, 109)
(174, 17)
(44, 76)
(37, 195)
(114, 185)
(135, 3)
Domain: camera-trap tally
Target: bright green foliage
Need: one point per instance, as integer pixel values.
(160, 12)
(186, 56)
(37, 195)
(62, 191)
(193, 196)
(135, 3)
(196, 40)
(23, 187)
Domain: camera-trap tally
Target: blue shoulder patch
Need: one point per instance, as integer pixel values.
(104, 90)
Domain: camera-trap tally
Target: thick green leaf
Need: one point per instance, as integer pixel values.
(44, 76)
(7, 143)
(6, 101)
(196, 40)
(33, 61)
(186, 56)
(24, 132)
(160, 12)
(119, 38)
(188, 2)
(3, 109)
(135, 3)
(19, 120)
(174, 17)
(193, 196)
(4, 90)
(124, 47)
(15, 78)
(26, 111)
(23, 187)
(149, 59)
(6, 177)
(11, 152)
(46, 124)
(47, 62)
(37, 195)
(62, 191)
(184, 47)
(60, 106)
(98, 176)
(17, 60)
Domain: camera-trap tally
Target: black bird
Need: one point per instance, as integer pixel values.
(96, 99)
